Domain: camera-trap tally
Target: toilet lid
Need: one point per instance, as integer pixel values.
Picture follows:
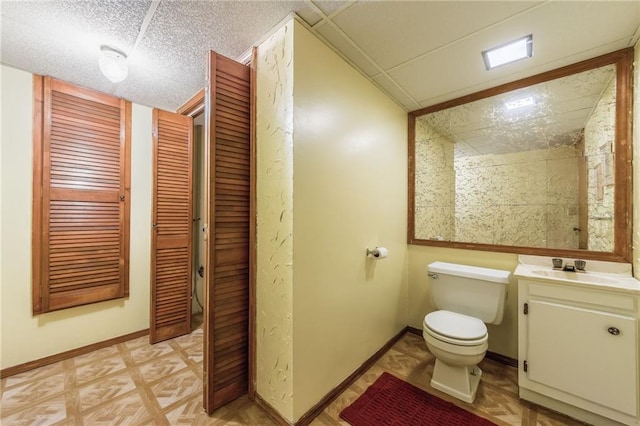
(457, 326)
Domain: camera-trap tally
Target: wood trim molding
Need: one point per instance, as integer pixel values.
(623, 195)
(411, 152)
(127, 112)
(36, 230)
(21, 368)
(414, 330)
(502, 359)
(194, 106)
(252, 223)
(623, 59)
(599, 61)
(314, 411)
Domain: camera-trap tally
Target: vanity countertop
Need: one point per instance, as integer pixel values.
(600, 275)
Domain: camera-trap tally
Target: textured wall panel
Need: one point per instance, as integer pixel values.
(275, 220)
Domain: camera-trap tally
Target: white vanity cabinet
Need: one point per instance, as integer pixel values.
(578, 350)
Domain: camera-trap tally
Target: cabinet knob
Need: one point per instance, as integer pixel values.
(613, 330)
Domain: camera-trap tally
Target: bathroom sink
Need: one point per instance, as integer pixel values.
(584, 277)
(603, 274)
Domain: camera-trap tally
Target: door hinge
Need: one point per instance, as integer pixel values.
(526, 309)
(526, 366)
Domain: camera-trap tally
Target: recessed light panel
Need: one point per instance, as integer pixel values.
(509, 52)
(520, 103)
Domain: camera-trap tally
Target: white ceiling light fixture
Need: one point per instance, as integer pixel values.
(520, 103)
(508, 52)
(113, 63)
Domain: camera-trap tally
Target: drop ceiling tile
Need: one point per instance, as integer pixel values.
(346, 49)
(393, 32)
(328, 7)
(309, 16)
(395, 93)
(459, 69)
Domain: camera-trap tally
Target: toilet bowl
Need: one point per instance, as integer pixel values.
(467, 297)
(459, 342)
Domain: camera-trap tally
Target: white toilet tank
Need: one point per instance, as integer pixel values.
(469, 290)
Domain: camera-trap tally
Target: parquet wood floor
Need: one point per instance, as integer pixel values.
(134, 383)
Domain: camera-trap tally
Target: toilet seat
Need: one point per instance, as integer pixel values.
(455, 328)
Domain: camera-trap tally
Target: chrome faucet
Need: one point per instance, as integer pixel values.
(578, 265)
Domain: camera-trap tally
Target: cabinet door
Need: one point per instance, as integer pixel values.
(571, 349)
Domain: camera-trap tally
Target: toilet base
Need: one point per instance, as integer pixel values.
(459, 382)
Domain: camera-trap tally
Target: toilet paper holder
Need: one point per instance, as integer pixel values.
(378, 252)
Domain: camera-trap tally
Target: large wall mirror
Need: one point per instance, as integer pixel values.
(538, 166)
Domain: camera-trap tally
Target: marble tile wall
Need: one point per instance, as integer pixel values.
(599, 134)
(525, 198)
(434, 184)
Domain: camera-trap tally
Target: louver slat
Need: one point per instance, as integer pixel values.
(171, 270)
(85, 207)
(226, 340)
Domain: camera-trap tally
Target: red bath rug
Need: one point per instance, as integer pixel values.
(393, 402)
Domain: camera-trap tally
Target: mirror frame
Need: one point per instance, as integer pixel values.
(623, 60)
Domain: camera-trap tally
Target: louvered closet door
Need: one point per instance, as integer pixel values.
(85, 197)
(227, 297)
(172, 223)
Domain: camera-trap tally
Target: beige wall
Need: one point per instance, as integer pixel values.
(332, 179)
(24, 337)
(349, 193)
(274, 171)
(503, 338)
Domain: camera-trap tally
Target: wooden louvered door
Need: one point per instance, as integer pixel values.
(171, 261)
(81, 196)
(227, 292)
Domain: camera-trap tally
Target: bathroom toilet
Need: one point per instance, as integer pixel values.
(467, 297)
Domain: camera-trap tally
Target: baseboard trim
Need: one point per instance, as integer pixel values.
(332, 395)
(268, 408)
(414, 330)
(21, 368)
(502, 359)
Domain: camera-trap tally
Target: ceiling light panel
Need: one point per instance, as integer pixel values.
(520, 103)
(512, 51)
(393, 33)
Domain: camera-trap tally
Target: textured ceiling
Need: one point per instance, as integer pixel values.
(419, 52)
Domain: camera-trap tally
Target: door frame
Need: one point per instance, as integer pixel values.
(195, 106)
